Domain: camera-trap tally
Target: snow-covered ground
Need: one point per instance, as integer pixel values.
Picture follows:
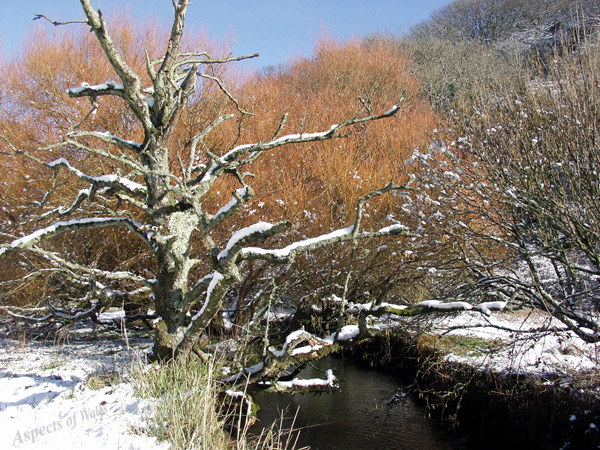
(507, 344)
(45, 401)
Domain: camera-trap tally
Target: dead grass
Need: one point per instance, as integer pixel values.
(188, 411)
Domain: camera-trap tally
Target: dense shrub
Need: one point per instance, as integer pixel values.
(518, 183)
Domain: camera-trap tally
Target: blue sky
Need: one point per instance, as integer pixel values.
(277, 29)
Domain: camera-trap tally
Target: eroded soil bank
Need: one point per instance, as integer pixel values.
(497, 409)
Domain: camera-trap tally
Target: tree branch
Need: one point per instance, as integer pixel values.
(131, 90)
(108, 88)
(109, 138)
(351, 233)
(93, 272)
(96, 22)
(112, 181)
(240, 198)
(193, 58)
(215, 293)
(56, 23)
(231, 159)
(76, 224)
(225, 91)
(258, 232)
(291, 354)
(357, 223)
(62, 212)
(287, 254)
(199, 137)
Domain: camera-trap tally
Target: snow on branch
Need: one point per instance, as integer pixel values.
(108, 88)
(425, 307)
(210, 302)
(310, 385)
(314, 344)
(288, 253)
(293, 340)
(111, 181)
(76, 224)
(291, 354)
(109, 138)
(254, 233)
(240, 197)
(485, 308)
(82, 195)
(243, 397)
(246, 372)
(198, 289)
(586, 327)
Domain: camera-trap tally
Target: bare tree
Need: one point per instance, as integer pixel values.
(473, 20)
(535, 23)
(157, 192)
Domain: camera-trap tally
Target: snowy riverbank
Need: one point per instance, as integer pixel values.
(70, 395)
(521, 342)
(75, 394)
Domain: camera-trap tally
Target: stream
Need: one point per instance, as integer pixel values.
(363, 415)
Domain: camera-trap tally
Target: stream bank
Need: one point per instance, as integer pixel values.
(497, 410)
(473, 401)
(370, 410)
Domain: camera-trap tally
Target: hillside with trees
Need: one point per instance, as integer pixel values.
(521, 149)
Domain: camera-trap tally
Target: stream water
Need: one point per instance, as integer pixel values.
(362, 415)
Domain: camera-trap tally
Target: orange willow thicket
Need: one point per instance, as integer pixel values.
(35, 111)
(316, 186)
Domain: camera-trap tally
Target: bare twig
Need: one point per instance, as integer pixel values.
(56, 23)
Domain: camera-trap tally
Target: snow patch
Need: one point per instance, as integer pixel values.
(257, 228)
(45, 403)
(296, 382)
(286, 251)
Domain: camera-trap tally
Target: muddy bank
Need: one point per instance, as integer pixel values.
(497, 410)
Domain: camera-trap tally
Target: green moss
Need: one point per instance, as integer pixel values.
(54, 364)
(457, 344)
(97, 382)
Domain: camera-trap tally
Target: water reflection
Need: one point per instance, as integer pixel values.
(358, 417)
